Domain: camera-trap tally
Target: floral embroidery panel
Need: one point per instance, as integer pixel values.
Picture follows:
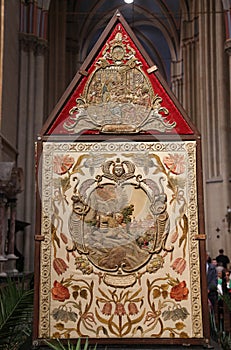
(119, 258)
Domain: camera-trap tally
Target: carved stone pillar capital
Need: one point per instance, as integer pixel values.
(30, 42)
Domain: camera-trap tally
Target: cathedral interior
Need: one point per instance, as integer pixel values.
(45, 42)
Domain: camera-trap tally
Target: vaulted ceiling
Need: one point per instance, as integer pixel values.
(156, 23)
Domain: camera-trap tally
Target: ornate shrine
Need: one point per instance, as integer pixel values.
(120, 232)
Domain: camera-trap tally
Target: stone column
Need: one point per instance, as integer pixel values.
(2, 18)
(10, 265)
(228, 52)
(214, 112)
(227, 20)
(177, 79)
(2, 227)
(190, 68)
(11, 233)
(57, 52)
(33, 49)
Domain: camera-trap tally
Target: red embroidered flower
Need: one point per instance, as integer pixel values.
(107, 308)
(132, 308)
(60, 292)
(120, 310)
(179, 292)
(175, 163)
(62, 163)
(59, 265)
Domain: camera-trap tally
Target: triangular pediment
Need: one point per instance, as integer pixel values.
(118, 90)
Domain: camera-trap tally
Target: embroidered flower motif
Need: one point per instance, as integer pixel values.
(56, 335)
(175, 314)
(62, 314)
(175, 163)
(83, 265)
(88, 317)
(107, 308)
(120, 310)
(151, 317)
(179, 265)
(59, 265)
(155, 264)
(179, 292)
(60, 292)
(132, 308)
(175, 235)
(62, 163)
(63, 237)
